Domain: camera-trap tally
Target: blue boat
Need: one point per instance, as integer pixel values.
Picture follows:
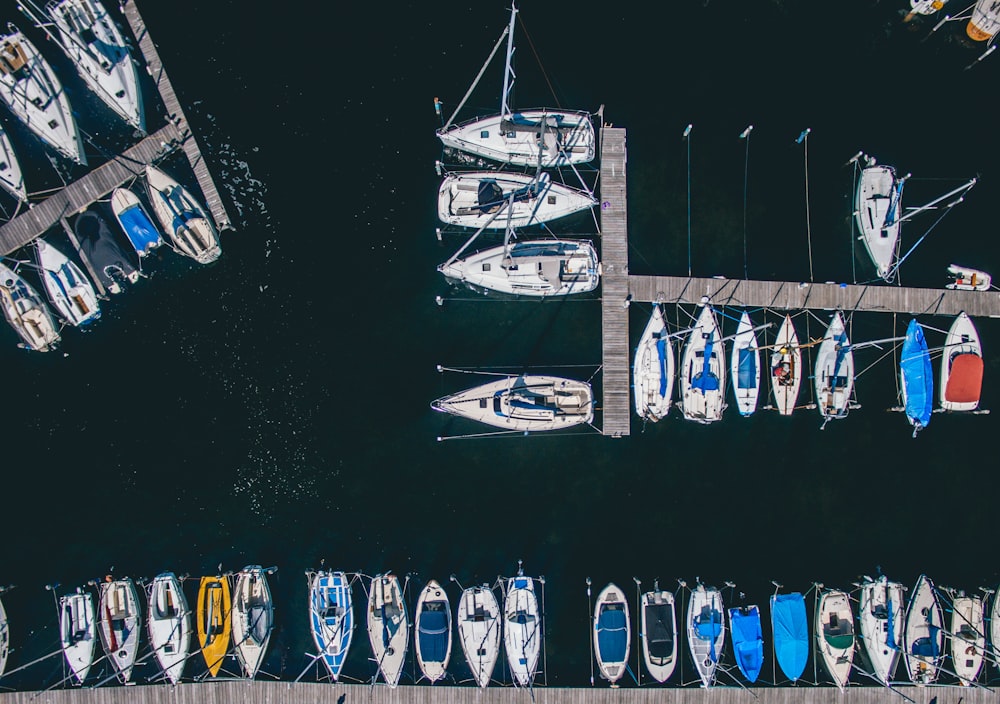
(612, 633)
(331, 618)
(790, 629)
(916, 377)
(142, 234)
(748, 640)
(433, 641)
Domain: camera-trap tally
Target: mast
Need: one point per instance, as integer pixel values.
(508, 75)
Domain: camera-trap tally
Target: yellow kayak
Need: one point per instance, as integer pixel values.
(214, 622)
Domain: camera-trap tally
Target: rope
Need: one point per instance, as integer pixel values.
(539, 61)
(804, 137)
(687, 138)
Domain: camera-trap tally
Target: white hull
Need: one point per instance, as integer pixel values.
(253, 618)
(169, 623)
(835, 635)
(546, 267)
(926, 7)
(182, 217)
(961, 347)
(968, 638)
(481, 199)
(786, 368)
(881, 601)
(705, 616)
(653, 369)
(985, 20)
(745, 366)
(873, 204)
(966, 279)
(834, 371)
(11, 178)
(118, 624)
(924, 635)
(26, 312)
(568, 138)
(433, 624)
(78, 632)
(479, 631)
(68, 288)
(659, 634)
(31, 90)
(524, 403)
(331, 615)
(703, 387)
(388, 628)
(90, 38)
(522, 629)
(612, 633)
(995, 629)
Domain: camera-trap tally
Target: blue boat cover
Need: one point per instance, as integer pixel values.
(432, 630)
(747, 377)
(612, 637)
(141, 233)
(918, 379)
(661, 352)
(331, 609)
(708, 626)
(928, 645)
(791, 633)
(748, 640)
(897, 194)
(705, 380)
(890, 636)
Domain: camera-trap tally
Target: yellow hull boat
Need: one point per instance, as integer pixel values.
(214, 621)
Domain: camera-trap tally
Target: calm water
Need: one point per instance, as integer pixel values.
(273, 408)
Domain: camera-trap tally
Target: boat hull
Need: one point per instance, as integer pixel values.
(612, 633)
(790, 633)
(881, 609)
(68, 288)
(924, 635)
(118, 624)
(522, 633)
(78, 632)
(388, 627)
(748, 640)
(834, 371)
(703, 371)
(169, 624)
(479, 631)
(11, 177)
(786, 368)
(968, 641)
(659, 634)
(835, 635)
(182, 217)
(966, 279)
(214, 621)
(26, 312)
(135, 222)
(111, 262)
(568, 138)
(877, 210)
(653, 369)
(433, 631)
(706, 631)
(253, 618)
(481, 199)
(331, 616)
(916, 378)
(961, 366)
(745, 363)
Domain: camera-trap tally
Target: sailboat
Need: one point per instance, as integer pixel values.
(706, 631)
(748, 640)
(388, 627)
(659, 633)
(786, 367)
(984, 22)
(612, 633)
(479, 624)
(995, 630)
(964, 278)
(653, 369)
(68, 289)
(877, 210)
(91, 40)
(703, 370)
(26, 312)
(916, 378)
(745, 361)
(961, 366)
(527, 402)
(433, 624)
(926, 7)
(331, 618)
(11, 177)
(253, 617)
(522, 629)
(923, 638)
(543, 137)
(967, 637)
(135, 222)
(790, 631)
(78, 632)
(118, 624)
(834, 371)
(835, 635)
(183, 218)
(214, 621)
(468, 199)
(31, 90)
(169, 623)
(881, 614)
(113, 264)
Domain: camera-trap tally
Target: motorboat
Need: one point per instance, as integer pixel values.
(745, 363)
(984, 23)
(786, 367)
(31, 90)
(111, 262)
(92, 41)
(68, 288)
(118, 624)
(659, 633)
(653, 369)
(706, 631)
(923, 639)
(433, 637)
(703, 370)
(479, 624)
(78, 632)
(835, 635)
(11, 176)
(138, 226)
(916, 378)
(967, 637)
(528, 402)
(388, 627)
(169, 623)
(26, 312)
(881, 609)
(748, 640)
(253, 618)
(877, 211)
(331, 617)
(790, 633)
(522, 629)
(214, 621)
(184, 220)
(834, 371)
(612, 633)
(961, 366)
(964, 278)
(482, 198)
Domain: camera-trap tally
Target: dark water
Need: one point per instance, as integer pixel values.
(273, 408)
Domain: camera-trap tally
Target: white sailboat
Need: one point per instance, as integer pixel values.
(984, 22)
(877, 211)
(11, 177)
(31, 90)
(835, 635)
(924, 636)
(967, 637)
(68, 288)
(964, 278)
(659, 633)
(538, 137)
(253, 618)
(612, 633)
(183, 218)
(961, 366)
(745, 362)
(78, 632)
(882, 625)
(118, 624)
(706, 630)
(926, 7)
(653, 369)
(388, 627)
(786, 367)
(995, 629)
(522, 629)
(433, 625)
(26, 312)
(169, 622)
(834, 371)
(703, 370)
(331, 617)
(479, 624)
(92, 41)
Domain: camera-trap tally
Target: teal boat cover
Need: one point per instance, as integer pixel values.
(748, 640)
(612, 634)
(747, 377)
(791, 633)
(918, 379)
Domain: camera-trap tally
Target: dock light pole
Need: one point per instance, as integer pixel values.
(803, 139)
(687, 138)
(745, 135)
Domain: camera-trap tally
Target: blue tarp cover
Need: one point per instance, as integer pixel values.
(748, 641)
(747, 377)
(140, 231)
(897, 194)
(611, 634)
(915, 368)
(890, 636)
(791, 633)
(705, 380)
(708, 626)
(433, 633)
(661, 352)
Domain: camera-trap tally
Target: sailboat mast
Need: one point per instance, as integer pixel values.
(964, 187)
(508, 75)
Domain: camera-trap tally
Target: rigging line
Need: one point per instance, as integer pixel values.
(687, 138)
(858, 374)
(804, 139)
(746, 170)
(451, 119)
(538, 60)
